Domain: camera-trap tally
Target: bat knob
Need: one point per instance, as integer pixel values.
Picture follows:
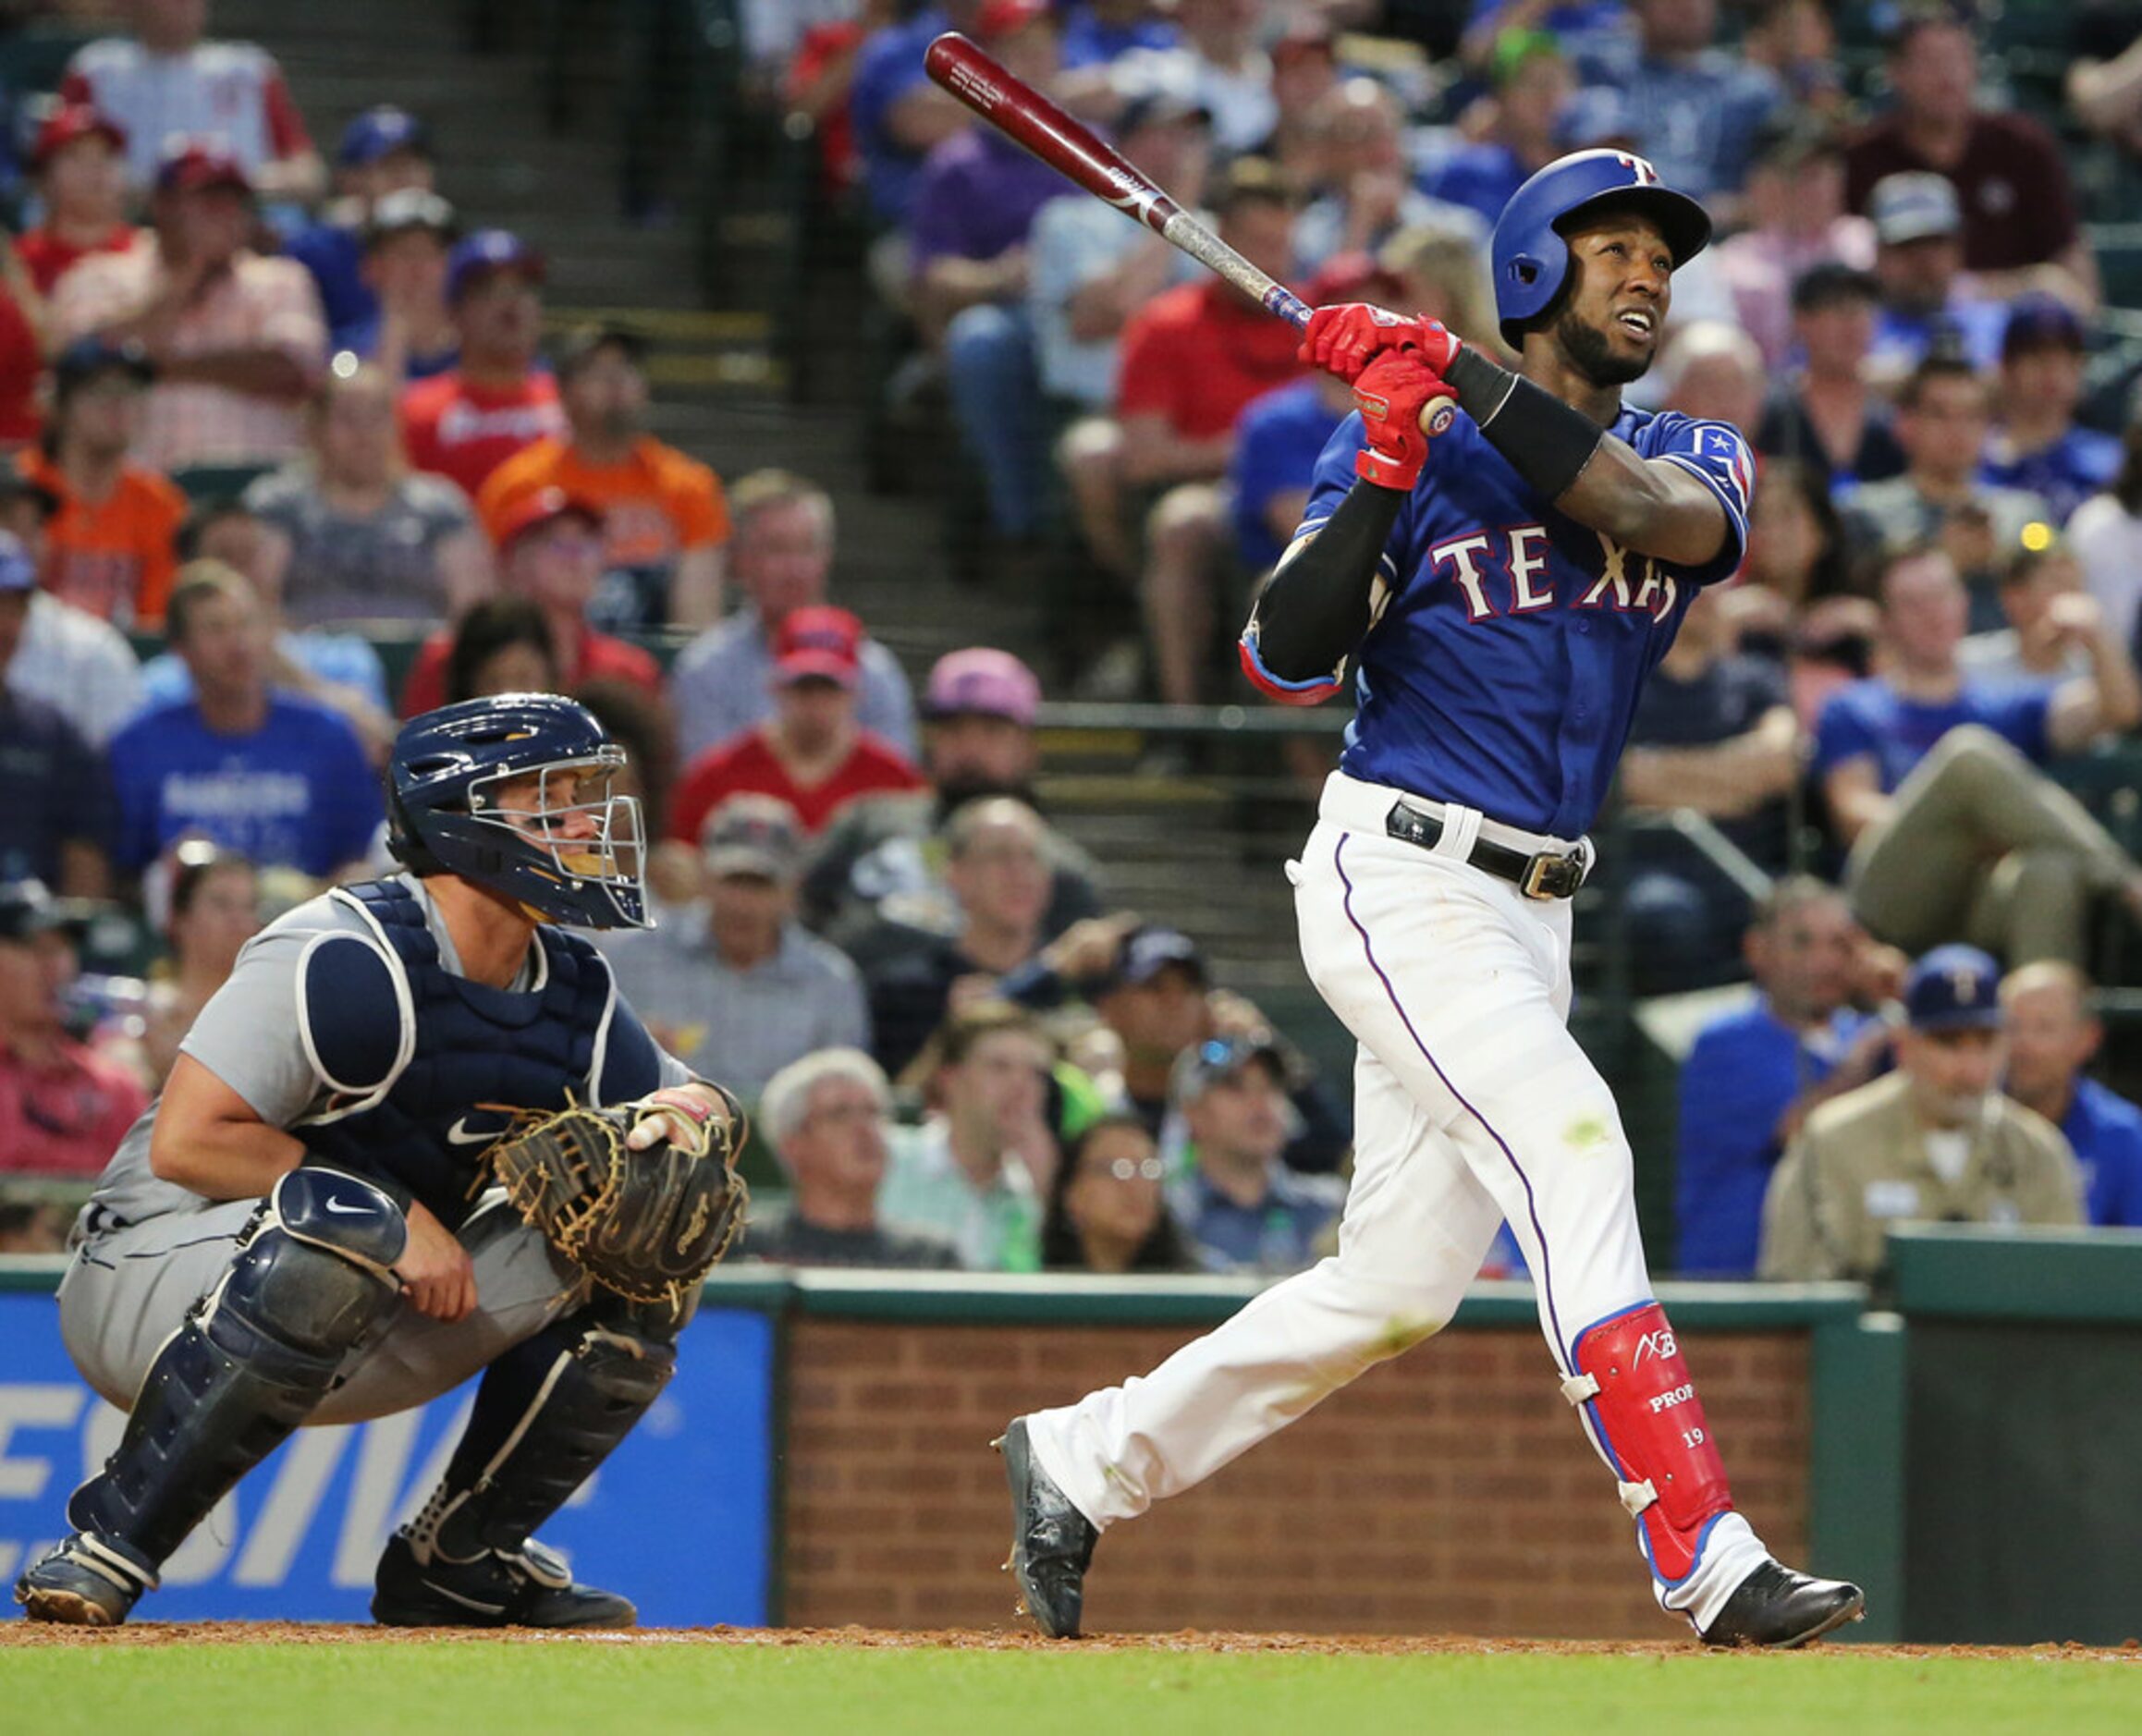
(1437, 415)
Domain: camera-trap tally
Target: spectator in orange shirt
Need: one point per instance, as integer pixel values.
(109, 548)
(81, 165)
(466, 422)
(811, 753)
(665, 521)
(550, 550)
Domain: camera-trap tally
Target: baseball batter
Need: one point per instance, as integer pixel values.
(297, 1230)
(1503, 603)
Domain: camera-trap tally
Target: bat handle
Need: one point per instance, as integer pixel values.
(1283, 302)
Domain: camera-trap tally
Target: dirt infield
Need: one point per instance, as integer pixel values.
(242, 1634)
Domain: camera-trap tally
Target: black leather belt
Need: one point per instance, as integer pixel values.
(1546, 876)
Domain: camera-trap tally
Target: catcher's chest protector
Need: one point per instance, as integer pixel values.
(413, 1050)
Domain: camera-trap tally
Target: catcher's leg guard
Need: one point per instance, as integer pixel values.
(548, 1413)
(310, 1285)
(1635, 1387)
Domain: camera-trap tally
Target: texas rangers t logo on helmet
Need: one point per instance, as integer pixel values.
(1638, 166)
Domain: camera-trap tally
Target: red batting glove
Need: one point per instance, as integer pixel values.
(1344, 339)
(1392, 393)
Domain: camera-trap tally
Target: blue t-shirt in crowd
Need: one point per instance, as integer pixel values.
(53, 788)
(1870, 718)
(1742, 1075)
(2082, 462)
(1279, 436)
(2106, 1132)
(1087, 42)
(334, 253)
(1695, 116)
(888, 68)
(1480, 177)
(1280, 1234)
(298, 791)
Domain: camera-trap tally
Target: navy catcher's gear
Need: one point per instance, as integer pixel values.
(310, 1285)
(443, 817)
(1529, 254)
(547, 1413)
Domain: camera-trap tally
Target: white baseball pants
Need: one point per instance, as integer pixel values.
(1473, 1104)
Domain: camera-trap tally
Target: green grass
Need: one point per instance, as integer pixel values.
(476, 1687)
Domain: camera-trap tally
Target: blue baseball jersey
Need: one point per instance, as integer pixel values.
(1504, 668)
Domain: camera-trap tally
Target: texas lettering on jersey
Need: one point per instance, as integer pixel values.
(1505, 663)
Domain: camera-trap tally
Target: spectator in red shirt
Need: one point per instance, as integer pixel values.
(811, 753)
(550, 551)
(466, 422)
(63, 1106)
(2018, 205)
(81, 165)
(165, 80)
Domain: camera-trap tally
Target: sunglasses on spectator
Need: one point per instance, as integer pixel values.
(1137, 1169)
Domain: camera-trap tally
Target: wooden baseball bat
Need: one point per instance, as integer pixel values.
(1071, 148)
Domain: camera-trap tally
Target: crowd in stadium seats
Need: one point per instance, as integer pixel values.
(270, 413)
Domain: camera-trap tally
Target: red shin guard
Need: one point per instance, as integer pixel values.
(1644, 1409)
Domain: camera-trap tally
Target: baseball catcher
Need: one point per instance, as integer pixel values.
(416, 1136)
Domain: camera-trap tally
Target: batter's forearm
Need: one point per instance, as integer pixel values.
(1316, 608)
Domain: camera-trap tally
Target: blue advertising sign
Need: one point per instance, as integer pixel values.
(680, 1519)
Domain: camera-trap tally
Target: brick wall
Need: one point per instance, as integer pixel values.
(1450, 1491)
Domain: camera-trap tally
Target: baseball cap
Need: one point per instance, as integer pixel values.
(1831, 282)
(1207, 1064)
(86, 357)
(999, 18)
(546, 506)
(17, 571)
(753, 835)
(68, 122)
(380, 133)
(189, 165)
(584, 343)
(15, 486)
(410, 208)
(1160, 107)
(984, 682)
(1953, 988)
(486, 252)
(1149, 950)
(28, 909)
(1792, 138)
(2038, 321)
(1915, 206)
(818, 640)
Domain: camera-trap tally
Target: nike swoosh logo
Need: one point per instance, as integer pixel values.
(347, 1211)
(460, 1133)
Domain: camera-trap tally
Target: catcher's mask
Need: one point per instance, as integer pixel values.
(562, 846)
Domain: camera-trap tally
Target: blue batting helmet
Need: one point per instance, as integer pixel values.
(1530, 257)
(442, 787)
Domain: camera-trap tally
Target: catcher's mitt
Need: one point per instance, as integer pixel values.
(646, 1223)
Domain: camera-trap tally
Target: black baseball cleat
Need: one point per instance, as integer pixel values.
(1778, 1608)
(85, 1582)
(530, 1589)
(1052, 1542)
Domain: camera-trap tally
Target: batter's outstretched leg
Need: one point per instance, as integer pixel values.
(311, 1284)
(548, 1413)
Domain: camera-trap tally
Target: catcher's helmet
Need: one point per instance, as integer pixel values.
(1530, 257)
(443, 817)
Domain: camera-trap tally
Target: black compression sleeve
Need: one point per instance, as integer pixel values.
(1315, 609)
(1547, 441)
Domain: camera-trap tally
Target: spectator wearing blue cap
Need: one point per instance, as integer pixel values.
(383, 150)
(2035, 444)
(1934, 1141)
(497, 399)
(55, 788)
(1241, 1207)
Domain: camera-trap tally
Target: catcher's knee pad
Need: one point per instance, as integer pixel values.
(548, 1413)
(1634, 1384)
(309, 1286)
